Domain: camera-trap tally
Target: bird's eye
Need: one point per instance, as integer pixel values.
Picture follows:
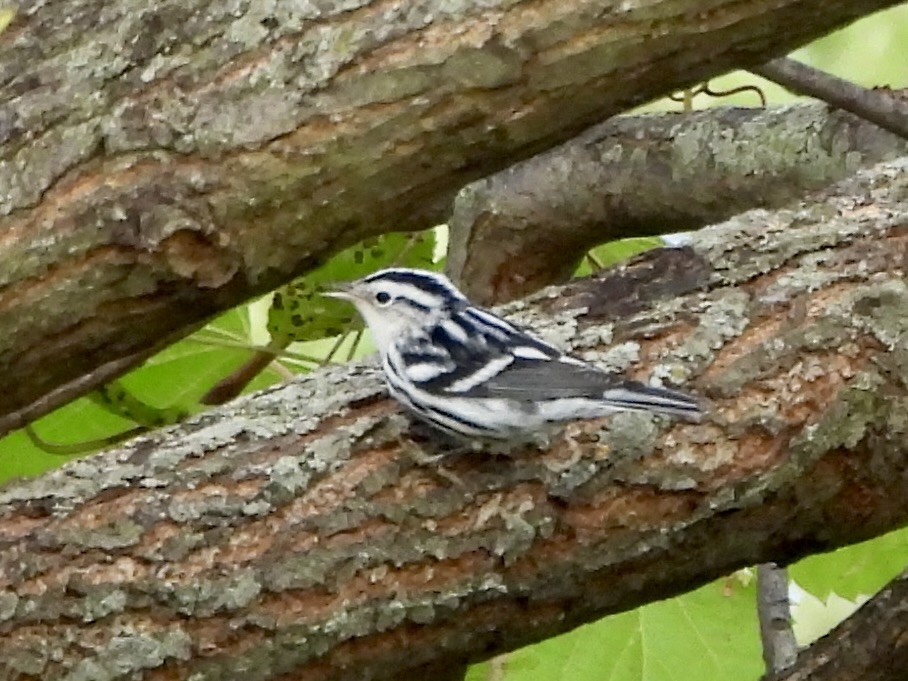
(382, 297)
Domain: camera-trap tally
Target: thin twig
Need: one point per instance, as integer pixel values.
(685, 97)
(707, 90)
(879, 106)
(780, 649)
(274, 351)
(357, 337)
(326, 360)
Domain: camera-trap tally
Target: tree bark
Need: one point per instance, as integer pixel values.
(529, 225)
(780, 648)
(882, 106)
(300, 533)
(161, 163)
(871, 645)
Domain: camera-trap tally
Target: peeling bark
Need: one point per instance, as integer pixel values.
(162, 162)
(528, 226)
(299, 533)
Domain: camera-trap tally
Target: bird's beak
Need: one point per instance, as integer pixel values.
(341, 291)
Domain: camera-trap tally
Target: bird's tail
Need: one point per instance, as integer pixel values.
(636, 396)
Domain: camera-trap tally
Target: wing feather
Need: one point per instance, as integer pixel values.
(529, 379)
(539, 381)
(484, 356)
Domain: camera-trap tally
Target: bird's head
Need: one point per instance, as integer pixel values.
(398, 302)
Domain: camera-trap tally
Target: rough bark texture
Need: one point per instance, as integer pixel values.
(527, 226)
(163, 161)
(881, 106)
(300, 533)
(871, 645)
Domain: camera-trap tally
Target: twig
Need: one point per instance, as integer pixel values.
(870, 645)
(780, 650)
(686, 96)
(357, 337)
(878, 106)
(642, 177)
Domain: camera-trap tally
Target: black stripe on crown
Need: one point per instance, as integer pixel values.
(430, 282)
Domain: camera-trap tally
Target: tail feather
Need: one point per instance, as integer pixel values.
(637, 396)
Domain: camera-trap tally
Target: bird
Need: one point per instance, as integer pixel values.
(470, 373)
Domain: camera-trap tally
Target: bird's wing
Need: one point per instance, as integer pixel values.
(502, 360)
(486, 356)
(539, 379)
(465, 349)
(479, 355)
(565, 378)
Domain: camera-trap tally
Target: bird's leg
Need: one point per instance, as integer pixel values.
(420, 458)
(446, 445)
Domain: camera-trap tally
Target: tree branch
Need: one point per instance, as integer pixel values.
(529, 225)
(296, 534)
(868, 646)
(780, 649)
(161, 163)
(879, 106)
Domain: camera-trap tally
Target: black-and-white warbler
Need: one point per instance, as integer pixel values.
(469, 372)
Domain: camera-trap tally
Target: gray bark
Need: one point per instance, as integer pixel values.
(881, 106)
(299, 533)
(871, 645)
(780, 648)
(529, 225)
(161, 162)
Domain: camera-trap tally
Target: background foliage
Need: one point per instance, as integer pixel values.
(708, 634)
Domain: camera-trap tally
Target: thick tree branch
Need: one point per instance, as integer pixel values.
(159, 163)
(297, 533)
(871, 645)
(529, 225)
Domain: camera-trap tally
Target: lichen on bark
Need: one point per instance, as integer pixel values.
(301, 530)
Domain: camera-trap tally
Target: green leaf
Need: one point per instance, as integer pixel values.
(853, 570)
(79, 421)
(813, 618)
(117, 399)
(7, 14)
(709, 635)
(614, 252)
(300, 313)
(170, 381)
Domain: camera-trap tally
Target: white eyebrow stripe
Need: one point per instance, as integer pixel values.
(481, 375)
(526, 352)
(410, 292)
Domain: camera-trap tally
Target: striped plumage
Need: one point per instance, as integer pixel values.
(469, 372)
